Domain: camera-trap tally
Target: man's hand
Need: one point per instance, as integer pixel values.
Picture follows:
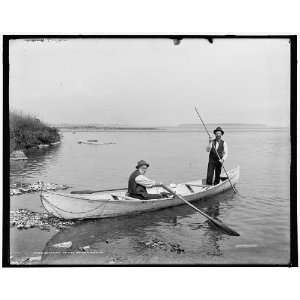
(210, 139)
(221, 161)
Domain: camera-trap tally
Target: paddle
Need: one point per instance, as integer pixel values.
(215, 149)
(97, 191)
(215, 221)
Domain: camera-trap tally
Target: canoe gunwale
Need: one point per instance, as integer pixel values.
(234, 171)
(56, 205)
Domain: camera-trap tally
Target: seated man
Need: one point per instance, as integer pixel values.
(138, 183)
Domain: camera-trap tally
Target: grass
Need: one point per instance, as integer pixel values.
(27, 131)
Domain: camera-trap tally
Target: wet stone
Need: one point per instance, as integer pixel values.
(25, 260)
(166, 246)
(84, 249)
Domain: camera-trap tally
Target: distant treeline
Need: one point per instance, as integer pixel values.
(27, 131)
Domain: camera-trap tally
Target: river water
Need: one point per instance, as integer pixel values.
(259, 212)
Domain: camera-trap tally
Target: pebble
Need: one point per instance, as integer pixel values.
(115, 260)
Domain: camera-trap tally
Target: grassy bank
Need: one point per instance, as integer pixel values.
(27, 131)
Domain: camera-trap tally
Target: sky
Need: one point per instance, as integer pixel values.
(151, 82)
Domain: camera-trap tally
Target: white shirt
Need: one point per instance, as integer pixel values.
(208, 148)
(144, 181)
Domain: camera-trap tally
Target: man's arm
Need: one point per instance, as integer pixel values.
(208, 147)
(144, 181)
(225, 151)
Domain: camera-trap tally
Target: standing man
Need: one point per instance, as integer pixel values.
(138, 183)
(218, 152)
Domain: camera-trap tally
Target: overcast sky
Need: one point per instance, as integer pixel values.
(152, 82)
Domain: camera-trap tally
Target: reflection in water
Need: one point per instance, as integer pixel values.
(38, 161)
(214, 236)
(98, 233)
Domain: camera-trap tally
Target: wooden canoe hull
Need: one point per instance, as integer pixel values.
(103, 205)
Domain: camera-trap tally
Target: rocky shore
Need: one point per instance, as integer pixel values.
(25, 219)
(20, 188)
(166, 246)
(18, 155)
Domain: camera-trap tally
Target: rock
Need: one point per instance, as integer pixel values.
(115, 260)
(111, 262)
(18, 155)
(155, 243)
(176, 247)
(35, 258)
(63, 245)
(15, 192)
(84, 248)
(40, 146)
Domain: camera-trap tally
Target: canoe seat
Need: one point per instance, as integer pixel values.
(115, 197)
(190, 188)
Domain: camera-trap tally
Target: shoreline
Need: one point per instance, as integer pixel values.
(175, 130)
(19, 154)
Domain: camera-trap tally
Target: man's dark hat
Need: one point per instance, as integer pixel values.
(219, 129)
(142, 163)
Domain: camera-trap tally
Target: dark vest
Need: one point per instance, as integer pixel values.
(212, 154)
(134, 189)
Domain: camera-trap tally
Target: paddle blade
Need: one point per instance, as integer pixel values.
(224, 227)
(215, 221)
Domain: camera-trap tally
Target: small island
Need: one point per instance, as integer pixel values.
(26, 132)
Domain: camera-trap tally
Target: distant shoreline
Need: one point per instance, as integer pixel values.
(180, 127)
(168, 129)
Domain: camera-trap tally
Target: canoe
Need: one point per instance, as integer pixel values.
(94, 143)
(116, 203)
(41, 146)
(55, 143)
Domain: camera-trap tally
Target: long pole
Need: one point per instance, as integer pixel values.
(215, 149)
(215, 221)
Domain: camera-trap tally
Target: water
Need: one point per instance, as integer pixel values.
(259, 212)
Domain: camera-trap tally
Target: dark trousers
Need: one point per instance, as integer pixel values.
(213, 167)
(146, 196)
